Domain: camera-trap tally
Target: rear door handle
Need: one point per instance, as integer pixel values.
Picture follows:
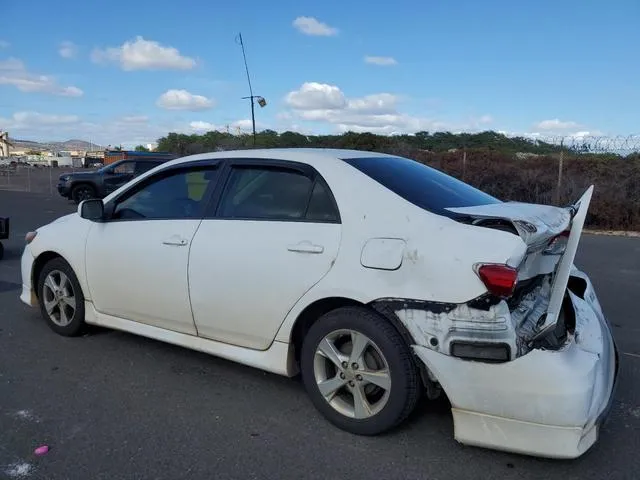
(306, 247)
(175, 241)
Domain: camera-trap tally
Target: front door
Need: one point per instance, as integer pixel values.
(137, 261)
(275, 234)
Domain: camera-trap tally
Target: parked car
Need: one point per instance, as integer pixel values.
(78, 186)
(4, 233)
(378, 278)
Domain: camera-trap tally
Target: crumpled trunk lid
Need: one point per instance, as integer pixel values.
(539, 226)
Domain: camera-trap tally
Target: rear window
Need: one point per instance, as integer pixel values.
(421, 185)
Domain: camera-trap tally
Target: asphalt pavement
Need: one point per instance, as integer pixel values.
(115, 406)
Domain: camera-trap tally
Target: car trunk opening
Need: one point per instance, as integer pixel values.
(551, 235)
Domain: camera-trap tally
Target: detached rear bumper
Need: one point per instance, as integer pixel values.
(545, 403)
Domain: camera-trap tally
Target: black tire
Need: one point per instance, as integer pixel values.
(405, 380)
(1, 251)
(82, 192)
(76, 325)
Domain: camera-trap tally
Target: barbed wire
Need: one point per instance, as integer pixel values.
(619, 144)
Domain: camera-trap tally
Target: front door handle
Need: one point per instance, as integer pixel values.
(306, 247)
(175, 241)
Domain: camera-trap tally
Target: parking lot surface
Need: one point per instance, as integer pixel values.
(115, 406)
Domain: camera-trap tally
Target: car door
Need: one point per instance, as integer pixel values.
(118, 176)
(274, 234)
(136, 260)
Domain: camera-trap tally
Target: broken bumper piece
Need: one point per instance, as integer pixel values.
(545, 403)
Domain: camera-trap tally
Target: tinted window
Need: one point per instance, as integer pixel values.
(142, 167)
(265, 193)
(124, 168)
(421, 185)
(180, 194)
(321, 206)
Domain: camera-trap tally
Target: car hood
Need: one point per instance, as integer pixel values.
(91, 173)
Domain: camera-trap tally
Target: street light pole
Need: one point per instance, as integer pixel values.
(261, 101)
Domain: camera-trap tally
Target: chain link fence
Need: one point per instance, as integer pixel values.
(22, 177)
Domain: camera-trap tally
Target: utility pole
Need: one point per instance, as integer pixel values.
(261, 101)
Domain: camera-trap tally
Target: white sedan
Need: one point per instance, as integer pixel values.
(377, 278)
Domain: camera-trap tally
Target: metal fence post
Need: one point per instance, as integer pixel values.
(560, 164)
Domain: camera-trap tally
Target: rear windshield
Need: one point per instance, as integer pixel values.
(421, 185)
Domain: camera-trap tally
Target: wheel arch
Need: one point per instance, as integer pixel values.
(316, 309)
(40, 261)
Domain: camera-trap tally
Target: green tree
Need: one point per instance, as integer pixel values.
(141, 148)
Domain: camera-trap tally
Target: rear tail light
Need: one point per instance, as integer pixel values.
(558, 244)
(499, 279)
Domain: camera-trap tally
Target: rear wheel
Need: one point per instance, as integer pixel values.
(1, 251)
(358, 371)
(61, 298)
(82, 192)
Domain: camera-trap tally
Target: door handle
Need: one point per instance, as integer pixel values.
(306, 247)
(176, 241)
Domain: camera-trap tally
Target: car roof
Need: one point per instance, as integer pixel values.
(295, 154)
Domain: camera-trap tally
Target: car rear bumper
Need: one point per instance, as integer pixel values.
(548, 403)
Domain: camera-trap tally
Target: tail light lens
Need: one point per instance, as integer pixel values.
(500, 280)
(558, 244)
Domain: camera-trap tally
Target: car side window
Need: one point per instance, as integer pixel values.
(265, 193)
(124, 168)
(177, 194)
(321, 206)
(142, 167)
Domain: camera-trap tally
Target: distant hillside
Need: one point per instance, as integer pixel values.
(72, 144)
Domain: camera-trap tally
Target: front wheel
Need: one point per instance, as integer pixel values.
(61, 298)
(358, 371)
(82, 192)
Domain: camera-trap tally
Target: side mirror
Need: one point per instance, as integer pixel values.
(92, 209)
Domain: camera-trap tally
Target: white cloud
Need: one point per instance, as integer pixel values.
(378, 113)
(244, 125)
(380, 61)
(27, 120)
(4, 44)
(556, 124)
(14, 72)
(312, 26)
(313, 95)
(183, 100)
(141, 54)
(68, 50)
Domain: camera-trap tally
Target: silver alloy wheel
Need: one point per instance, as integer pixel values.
(59, 298)
(352, 374)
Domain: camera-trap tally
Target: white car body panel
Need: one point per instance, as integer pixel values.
(151, 258)
(236, 288)
(250, 273)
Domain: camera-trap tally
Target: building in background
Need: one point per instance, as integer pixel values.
(111, 156)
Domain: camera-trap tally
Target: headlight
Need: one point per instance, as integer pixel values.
(64, 178)
(28, 238)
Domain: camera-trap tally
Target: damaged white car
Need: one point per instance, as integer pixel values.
(378, 278)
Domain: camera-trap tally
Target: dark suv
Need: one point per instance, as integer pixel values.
(78, 186)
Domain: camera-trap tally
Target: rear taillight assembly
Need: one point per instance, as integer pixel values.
(557, 245)
(499, 279)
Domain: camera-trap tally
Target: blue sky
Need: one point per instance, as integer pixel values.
(130, 71)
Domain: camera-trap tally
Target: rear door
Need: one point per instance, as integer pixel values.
(274, 232)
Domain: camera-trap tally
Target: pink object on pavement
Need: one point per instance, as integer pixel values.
(41, 450)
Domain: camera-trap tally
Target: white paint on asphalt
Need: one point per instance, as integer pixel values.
(19, 470)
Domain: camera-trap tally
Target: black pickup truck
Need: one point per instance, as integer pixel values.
(78, 186)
